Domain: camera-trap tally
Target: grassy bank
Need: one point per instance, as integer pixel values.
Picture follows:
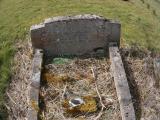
(139, 24)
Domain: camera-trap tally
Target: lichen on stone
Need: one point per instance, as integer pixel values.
(34, 105)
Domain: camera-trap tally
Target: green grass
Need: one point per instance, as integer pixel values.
(139, 25)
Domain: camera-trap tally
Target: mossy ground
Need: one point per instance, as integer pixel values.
(65, 82)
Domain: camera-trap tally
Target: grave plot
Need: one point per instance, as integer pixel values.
(82, 87)
(78, 88)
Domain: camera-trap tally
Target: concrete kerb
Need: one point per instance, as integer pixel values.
(35, 85)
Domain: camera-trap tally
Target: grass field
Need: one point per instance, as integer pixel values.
(139, 23)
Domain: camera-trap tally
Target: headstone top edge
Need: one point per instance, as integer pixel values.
(63, 18)
(67, 18)
(37, 26)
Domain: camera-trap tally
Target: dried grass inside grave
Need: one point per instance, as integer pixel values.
(79, 82)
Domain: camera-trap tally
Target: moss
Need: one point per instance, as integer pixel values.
(56, 79)
(62, 78)
(89, 106)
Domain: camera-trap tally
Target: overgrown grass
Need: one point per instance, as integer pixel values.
(139, 25)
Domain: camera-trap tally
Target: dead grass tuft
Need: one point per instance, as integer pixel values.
(18, 91)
